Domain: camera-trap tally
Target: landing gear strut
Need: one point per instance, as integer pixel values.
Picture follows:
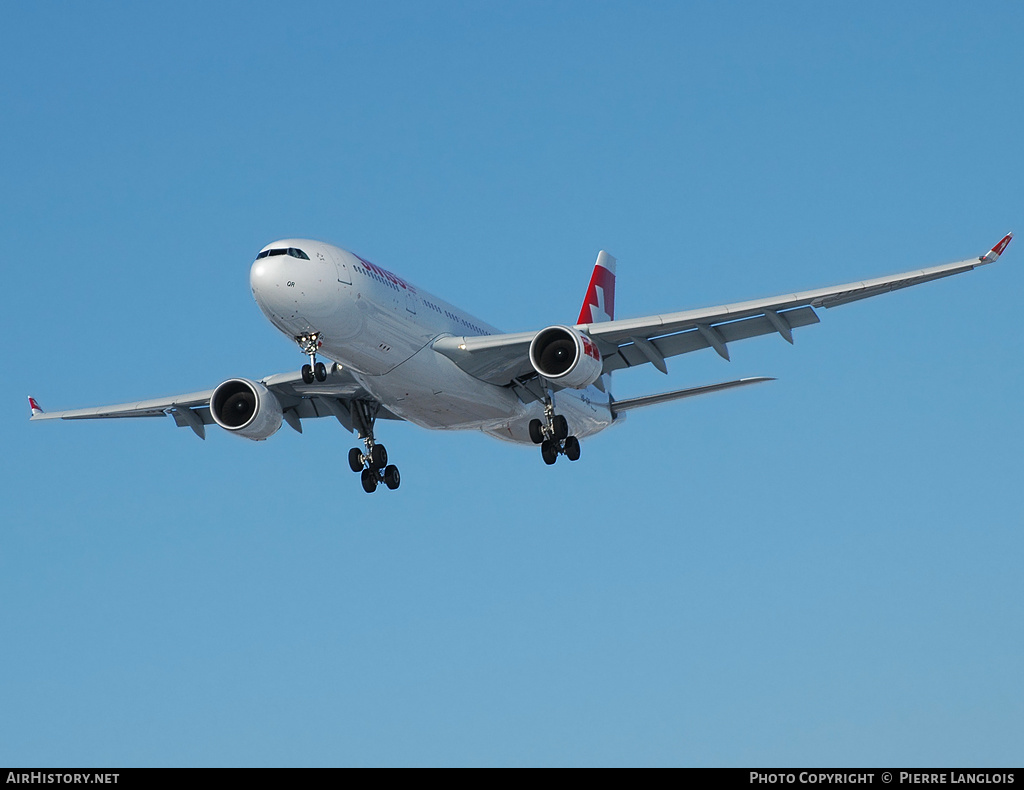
(310, 343)
(553, 435)
(371, 463)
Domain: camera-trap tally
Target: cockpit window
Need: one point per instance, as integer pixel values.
(294, 252)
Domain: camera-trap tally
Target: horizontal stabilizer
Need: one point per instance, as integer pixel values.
(649, 400)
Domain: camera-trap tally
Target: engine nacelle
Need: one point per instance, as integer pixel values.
(246, 408)
(562, 354)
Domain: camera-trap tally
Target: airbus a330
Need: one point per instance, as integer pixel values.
(397, 352)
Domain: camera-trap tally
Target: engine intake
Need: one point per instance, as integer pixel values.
(565, 355)
(246, 408)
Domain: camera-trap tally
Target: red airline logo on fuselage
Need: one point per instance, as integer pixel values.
(384, 273)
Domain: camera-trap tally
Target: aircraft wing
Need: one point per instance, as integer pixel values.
(331, 398)
(504, 359)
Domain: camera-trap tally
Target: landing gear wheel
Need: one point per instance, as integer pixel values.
(572, 448)
(374, 456)
(549, 451)
(307, 374)
(561, 427)
(319, 372)
(536, 432)
(378, 457)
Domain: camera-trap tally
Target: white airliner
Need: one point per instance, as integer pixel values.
(400, 353)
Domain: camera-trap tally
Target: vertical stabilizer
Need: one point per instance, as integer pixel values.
(599, 303)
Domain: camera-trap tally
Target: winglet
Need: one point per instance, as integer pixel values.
(34, 406)
(996, 251)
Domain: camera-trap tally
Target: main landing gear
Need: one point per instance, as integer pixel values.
(310, 343)
(371, 463)
(553, 436)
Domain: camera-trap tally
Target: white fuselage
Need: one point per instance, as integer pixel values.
(381, 329)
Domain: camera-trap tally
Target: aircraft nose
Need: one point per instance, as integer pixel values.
(295, 280)
(269, 278)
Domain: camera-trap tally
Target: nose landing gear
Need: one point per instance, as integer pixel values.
(310, 343)
(553, 436)
(371, 464)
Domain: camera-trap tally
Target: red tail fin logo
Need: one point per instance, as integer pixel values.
(599, 303)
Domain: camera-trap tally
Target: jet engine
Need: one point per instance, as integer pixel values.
(246, 408)
(566, 356)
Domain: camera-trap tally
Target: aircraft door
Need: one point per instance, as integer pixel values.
(344, 272)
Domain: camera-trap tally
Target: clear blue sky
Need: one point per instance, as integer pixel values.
(824, 570)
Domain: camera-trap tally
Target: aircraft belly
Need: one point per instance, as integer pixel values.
(429, 390)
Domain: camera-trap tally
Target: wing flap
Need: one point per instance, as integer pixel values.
(692, 340)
